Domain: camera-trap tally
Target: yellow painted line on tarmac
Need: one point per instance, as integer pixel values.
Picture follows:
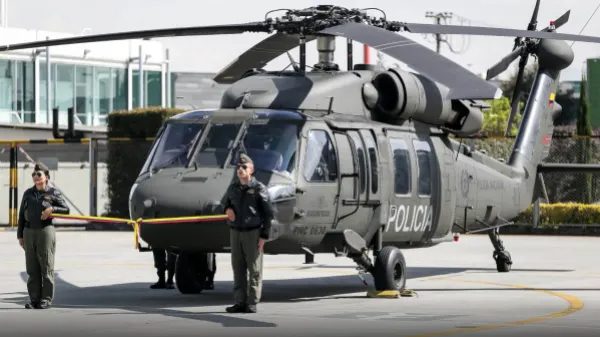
(575, 304)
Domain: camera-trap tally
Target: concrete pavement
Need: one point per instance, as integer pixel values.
(102, 290)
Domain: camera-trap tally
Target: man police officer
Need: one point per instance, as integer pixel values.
(249, 213)
(37, 237)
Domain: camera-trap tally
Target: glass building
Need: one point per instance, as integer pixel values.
(93, 79)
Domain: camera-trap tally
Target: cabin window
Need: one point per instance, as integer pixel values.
(362, 160)
(424, 160)
(401, 166)
(320, 163)
(374, 177)
(173, 148)
(372, 152)
(217, 145)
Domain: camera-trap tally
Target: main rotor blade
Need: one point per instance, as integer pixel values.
(503, 64)
(462, 83)
(425, 28)
(259, 55)
(141, 34)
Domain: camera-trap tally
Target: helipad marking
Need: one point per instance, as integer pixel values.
(575, 304)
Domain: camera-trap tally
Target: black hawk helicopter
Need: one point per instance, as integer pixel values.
(355, 161)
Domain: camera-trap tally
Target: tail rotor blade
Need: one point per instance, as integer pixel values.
(560, 21)
(516, 96)
(503, 64)
(533, 22)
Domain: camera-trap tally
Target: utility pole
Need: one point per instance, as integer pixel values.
(437, 18)
(3, 14)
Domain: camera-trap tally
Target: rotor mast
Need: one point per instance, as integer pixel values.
(326, 48)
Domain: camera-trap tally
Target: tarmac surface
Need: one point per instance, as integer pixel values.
(102, 290)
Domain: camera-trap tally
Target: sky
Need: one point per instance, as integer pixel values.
(210, 54)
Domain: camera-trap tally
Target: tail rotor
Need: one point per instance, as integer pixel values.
(522, 49)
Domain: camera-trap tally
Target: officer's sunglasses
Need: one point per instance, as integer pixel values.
(39, 174)
(242, 166)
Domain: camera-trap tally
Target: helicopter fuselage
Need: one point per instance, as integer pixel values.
(324, 175)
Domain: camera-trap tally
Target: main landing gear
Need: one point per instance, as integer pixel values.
(389, 270)
(501, 255)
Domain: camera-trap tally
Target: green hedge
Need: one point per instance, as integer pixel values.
(125, 159)
(552, 215)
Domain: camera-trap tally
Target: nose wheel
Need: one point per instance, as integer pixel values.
(191, 272)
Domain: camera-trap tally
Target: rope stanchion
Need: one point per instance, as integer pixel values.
(138, 222)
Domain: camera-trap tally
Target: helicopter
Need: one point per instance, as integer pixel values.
(356, 161)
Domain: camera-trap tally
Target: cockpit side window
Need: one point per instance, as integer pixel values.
(173, 148)
(217, 145)
(401, 157)
(320, 163)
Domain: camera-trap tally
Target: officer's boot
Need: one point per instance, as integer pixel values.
(169, 284)
(161, 281)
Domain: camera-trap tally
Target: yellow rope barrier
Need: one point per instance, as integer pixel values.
(138, 222)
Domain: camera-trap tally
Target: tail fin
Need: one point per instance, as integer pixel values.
(535, 133)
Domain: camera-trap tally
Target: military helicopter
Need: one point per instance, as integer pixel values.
(355, 161)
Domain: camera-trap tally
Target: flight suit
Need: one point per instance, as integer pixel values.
(40, 240)
(253, 215)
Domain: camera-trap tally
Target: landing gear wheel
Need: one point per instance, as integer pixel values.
(503, 261)
(390, 269)
(190, 272)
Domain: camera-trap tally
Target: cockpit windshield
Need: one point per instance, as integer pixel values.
(271, 144)
(217, 145)
(173, 148)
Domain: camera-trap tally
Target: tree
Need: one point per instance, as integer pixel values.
(495, 118)
(584, 131)
(508, 86)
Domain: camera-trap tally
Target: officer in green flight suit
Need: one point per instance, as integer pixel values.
(37, 237)
(249, 213)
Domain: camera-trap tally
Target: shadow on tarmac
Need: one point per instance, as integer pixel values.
(138, 298)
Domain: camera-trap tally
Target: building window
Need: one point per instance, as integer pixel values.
(84, 84)
(7, 88)
(401, 166)
(94, 92)
(152, 88)
(64, 87)
(119, 77)
(17, 98)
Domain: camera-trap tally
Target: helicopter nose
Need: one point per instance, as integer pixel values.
(169, 194)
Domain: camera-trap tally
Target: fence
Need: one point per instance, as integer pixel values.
(561, 186)
(79, 168)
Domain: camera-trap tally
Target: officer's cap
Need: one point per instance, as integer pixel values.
(245, 159)
(39, 166)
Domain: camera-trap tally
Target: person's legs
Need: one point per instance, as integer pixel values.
(32, 266)
(46, 250)
(171, 258)
(238, 265)
(254, 259)
(212, 270)
(160, 263)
